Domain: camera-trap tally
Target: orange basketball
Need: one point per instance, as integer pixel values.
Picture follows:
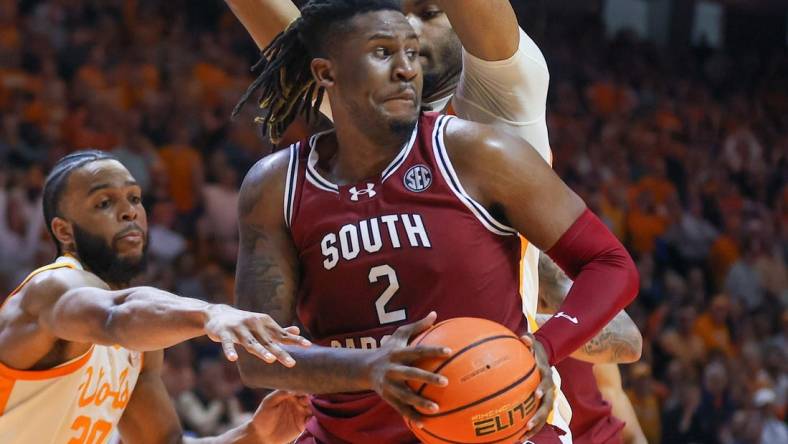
(492, 378)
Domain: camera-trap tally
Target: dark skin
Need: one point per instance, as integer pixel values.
(60, 314)
(490, 165)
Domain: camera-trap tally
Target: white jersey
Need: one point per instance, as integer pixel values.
(512, 94)
(78, 402)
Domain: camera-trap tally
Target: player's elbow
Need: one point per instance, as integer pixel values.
(633, 349)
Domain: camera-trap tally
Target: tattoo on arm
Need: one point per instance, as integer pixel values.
(616, 341)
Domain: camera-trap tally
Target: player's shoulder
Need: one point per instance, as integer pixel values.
(45, 288)
(472, 141)
(264, 184)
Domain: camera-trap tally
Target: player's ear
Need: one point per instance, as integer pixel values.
(323, 71)
(63, 231)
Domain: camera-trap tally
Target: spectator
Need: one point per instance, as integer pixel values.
(712, 326)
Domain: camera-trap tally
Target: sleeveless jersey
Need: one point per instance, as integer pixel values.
(385, 252)
(592, 417)
(80, 401)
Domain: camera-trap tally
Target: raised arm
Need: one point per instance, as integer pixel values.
(619, 341)
(266, 281)
(488, 29)
(264, 19)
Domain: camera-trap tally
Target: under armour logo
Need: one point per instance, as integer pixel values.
(561, 314)
(369, 192)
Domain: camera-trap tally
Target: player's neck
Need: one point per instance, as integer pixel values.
(354, 155)
(444, 88)
(112, 285)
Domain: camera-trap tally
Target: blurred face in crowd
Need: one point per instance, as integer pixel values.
(103, 221)
(441, 50)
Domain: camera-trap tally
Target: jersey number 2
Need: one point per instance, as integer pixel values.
(386, 317)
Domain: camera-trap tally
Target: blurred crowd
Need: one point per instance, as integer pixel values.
(684, 153)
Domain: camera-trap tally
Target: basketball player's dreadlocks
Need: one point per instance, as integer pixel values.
(286, 83)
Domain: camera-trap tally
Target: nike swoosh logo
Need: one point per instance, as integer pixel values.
(571, 319)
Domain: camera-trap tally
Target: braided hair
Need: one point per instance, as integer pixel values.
(287, 87)
(54, 186)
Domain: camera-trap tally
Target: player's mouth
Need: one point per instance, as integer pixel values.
(132, 234)
(407, 95)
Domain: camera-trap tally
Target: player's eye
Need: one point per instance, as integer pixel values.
(430, 14)
(412, 54)
(136, 200)
(103, 205)
(381, 52)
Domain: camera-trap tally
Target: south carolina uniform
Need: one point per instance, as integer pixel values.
(77, 402)
(385, 252)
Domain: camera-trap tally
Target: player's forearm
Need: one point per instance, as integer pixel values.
(318, 370)
(619, 342)
(605, 282)
(472, 20)
(264, 19)
(608, 379)
(140, 318)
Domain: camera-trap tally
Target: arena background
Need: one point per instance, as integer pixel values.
(670, 117)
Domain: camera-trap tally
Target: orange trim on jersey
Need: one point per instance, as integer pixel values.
(37, 375)
(6, 387)
(52, 266)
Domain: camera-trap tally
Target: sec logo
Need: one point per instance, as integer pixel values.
(418, 178)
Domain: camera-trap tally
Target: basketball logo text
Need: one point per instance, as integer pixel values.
(418, 178)
(504, 417)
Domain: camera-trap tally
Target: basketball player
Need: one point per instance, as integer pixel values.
(479, 65)
(81, 351)
(451, 196)
(619, 341)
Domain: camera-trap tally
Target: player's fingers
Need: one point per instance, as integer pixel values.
(253, 346)
(545, 395)
(267, 328)
(405, 373)
(406, 332)
(412, 354)
(405, 410)
(404, 394)
(528, 340)
(228, 341)
(281, 355)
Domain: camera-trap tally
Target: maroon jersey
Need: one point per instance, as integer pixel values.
(385, 252)
(592, 418)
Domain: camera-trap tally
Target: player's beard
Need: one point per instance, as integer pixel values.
(101, 258)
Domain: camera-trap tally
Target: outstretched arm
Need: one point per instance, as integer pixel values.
(264, 19)
(473, 21)
(76, 306)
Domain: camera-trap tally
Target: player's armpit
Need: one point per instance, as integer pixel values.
(472, 20)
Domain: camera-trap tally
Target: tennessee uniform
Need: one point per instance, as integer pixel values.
(77, 402)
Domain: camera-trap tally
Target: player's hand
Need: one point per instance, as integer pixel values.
(281, 418)
(389, 369)
(545, 392)
(258, 333)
